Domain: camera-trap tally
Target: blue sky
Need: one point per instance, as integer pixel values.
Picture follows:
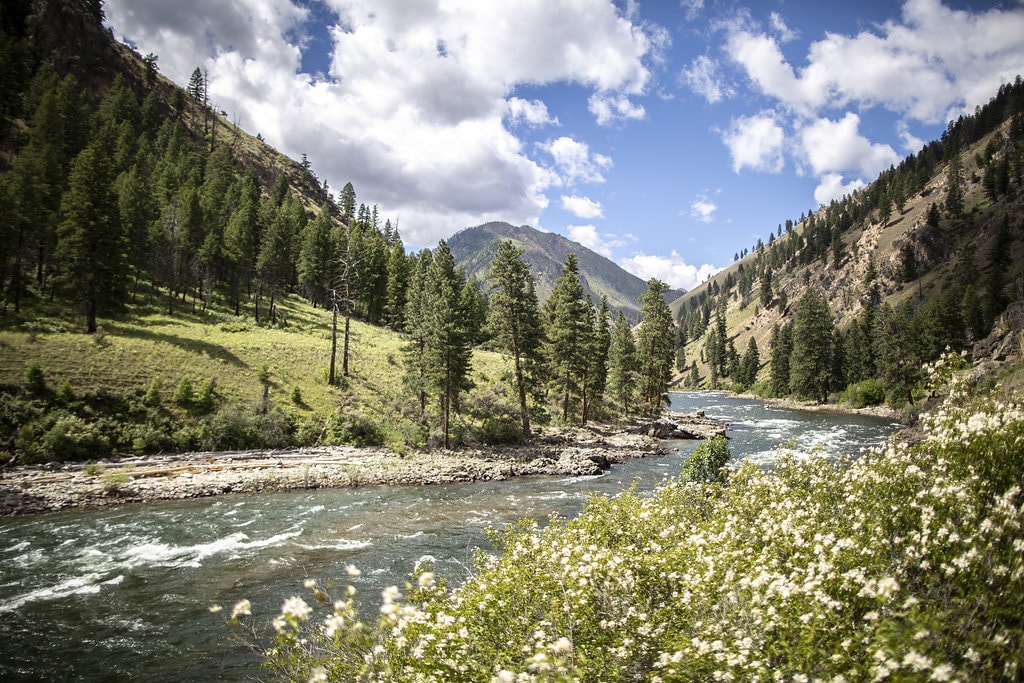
(665, 135)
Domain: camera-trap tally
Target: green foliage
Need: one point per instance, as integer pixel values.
(263, 373)
(184, 392)
(153, 398)
(34, 383)
(655, 347)
(903, 564)
(810, 362)
(869, 392)
(707, 462)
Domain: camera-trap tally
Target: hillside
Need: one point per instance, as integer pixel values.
(474, 248)
(950, 261)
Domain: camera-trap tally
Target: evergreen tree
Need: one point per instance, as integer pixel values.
(417, 311)
(897, 351)
(90, 240)
(397, 286)
(514, 319)
(567, 335)
(622, 364)
(597, 370)
(317, 258)
(655, 346)
(749, 365)
(810, 363)
(447, 353)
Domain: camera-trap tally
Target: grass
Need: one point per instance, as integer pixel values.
(144, 345)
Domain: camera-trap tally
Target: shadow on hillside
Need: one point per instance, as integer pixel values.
(193, 345)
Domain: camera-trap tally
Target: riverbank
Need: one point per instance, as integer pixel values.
(579, 451)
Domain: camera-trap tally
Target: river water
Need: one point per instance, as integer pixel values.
(124, 594)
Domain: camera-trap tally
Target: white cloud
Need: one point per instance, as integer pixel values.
(672, 269)
(835, 146)
(608, 108)
(602, 243)
(784, 32)
(574, 161)
(703, 209)
(532, 112)
(704, 77)
(692, 8)
(582, 207)
(756, 142)
(832, 186)
(911, 143)
(416, 104)
(936, 61)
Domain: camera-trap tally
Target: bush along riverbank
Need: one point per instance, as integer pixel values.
(904, 564)
(571, 451)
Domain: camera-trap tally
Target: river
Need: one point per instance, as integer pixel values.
(124, 593)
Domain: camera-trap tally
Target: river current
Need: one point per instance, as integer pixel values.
(124, 593)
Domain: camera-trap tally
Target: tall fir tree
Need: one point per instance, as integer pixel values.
(447, 352)
(91, 243)
(810, 363)
(514, 319)
(622, 365)
(655, 346)
(567, 336)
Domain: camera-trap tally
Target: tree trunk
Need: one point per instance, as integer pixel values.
(521, 385)
(334, 343)
(90, 316)
(344, 355)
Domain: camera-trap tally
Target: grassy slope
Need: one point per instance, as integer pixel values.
(145, 343)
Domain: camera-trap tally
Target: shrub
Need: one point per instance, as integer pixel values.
(207, 398)
(263, 373)
(35, 382)
(71, 438)
(152, 399)
(65, 392)
(183, 393)
(870, 392)
(706, 462)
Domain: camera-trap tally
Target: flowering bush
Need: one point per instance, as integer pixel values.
(904, 564)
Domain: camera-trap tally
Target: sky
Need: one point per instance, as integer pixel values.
(666, 135)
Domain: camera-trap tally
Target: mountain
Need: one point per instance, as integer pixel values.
(474, 248)
(930, 255)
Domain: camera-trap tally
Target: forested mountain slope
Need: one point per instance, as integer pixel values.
(929, 255)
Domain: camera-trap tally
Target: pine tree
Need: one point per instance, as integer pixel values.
(811, 359)
(317, 258)
(417, 310)
(782, 348)
(597, 369)
(447, 352)
(655, 346)
(567, 335)
(622, 364)
(514, 319)
(397, 286)
(897, 352)
(90, 240)
(749, 365)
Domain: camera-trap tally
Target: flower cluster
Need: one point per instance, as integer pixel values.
(903, 564)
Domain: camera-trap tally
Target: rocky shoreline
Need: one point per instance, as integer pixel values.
(577, 451)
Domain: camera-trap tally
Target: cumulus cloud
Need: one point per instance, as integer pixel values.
(831, 146)
(574, 161)
(756, 142)
(936, 61)
(530, 112)
(416, 107)
(833, 186)
(784, 32)
(703, 209)
(582, 207)
(608, 108)
(602, 243)
(672, 269)
(704, 77)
